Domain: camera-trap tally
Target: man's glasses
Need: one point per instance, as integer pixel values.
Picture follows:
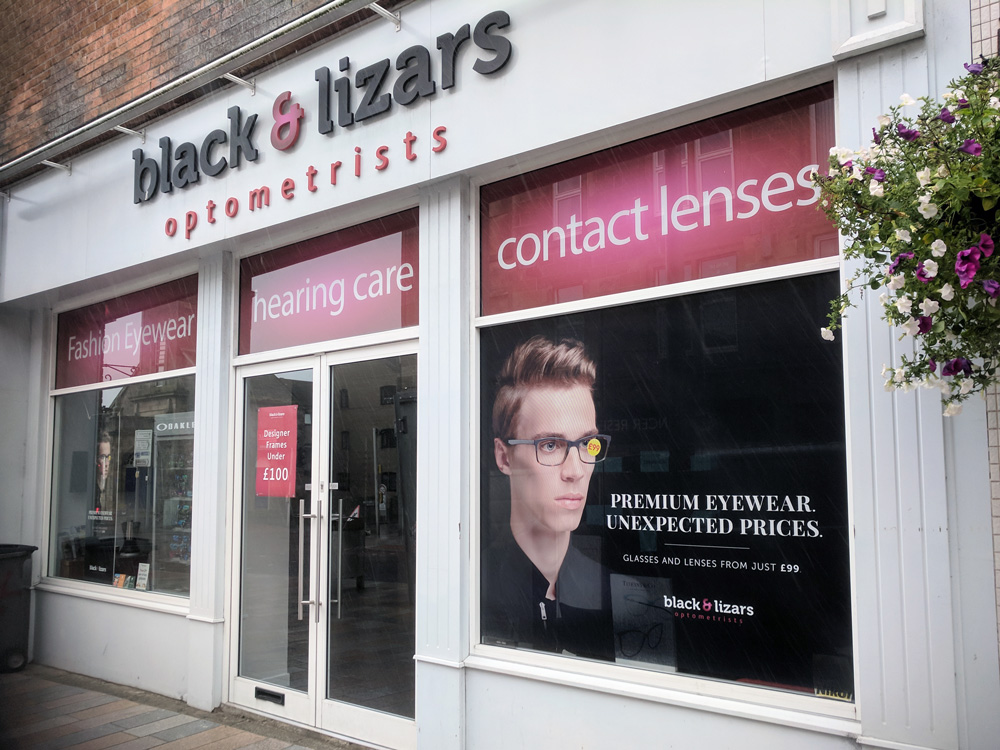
(553, 451)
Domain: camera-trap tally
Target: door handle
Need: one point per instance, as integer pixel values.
(302, 534)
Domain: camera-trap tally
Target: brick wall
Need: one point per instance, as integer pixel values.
(66, 62)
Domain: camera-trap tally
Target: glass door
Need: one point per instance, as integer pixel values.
(324, 571)
(276, 650)
(371, 538)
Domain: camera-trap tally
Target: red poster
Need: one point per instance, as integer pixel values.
(717, 197)
(154, 330)
(276, 450)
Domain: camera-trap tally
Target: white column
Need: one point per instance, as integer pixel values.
(443, 531)
(216, 330)
(919, 483)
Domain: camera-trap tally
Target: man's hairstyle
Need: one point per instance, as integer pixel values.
(105, 437)
(538, 362)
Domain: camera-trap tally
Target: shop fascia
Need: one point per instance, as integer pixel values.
(369, 93)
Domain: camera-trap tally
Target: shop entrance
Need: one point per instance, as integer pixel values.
(324, 571)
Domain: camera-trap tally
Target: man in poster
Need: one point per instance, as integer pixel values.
(540, 590)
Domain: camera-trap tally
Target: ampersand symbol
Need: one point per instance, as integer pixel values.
(288, 121)
(706, 605)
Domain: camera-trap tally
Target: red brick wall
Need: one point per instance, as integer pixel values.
(66, 62)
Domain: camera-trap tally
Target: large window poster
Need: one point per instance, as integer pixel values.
(664, 485)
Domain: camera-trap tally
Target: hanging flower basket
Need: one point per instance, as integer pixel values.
(919, 207)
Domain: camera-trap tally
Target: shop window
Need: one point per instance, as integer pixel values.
(123, 440)
(663, 480)
(121, 490)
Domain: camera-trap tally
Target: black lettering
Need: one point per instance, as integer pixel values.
(186, 170)
(449, 44)
(146, 171)
(324, 123)
(239, 137)
(165, 184)
(371, 78)
(207, 165)
(416, 81)
(492, 43)
(343, 88)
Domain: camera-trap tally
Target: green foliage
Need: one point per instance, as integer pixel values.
(920, 210)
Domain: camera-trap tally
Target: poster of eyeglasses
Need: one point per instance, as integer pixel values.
(663, 485)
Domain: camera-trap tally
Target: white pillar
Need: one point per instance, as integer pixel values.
(443, 553)
(216, 330)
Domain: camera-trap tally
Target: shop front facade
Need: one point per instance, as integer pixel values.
(460, 385)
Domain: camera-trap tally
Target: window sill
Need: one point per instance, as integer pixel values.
(171, 605)
(757, 704)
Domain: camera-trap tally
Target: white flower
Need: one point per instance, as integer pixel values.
(911, 327)
(899, 376)
(928, 307)
(942, 171)
(883, 298)
(924, 176)
(904, 304)
(826, 333)
(938, 249)
(843, 155)
(930, 381)
(885, 370)
(896, 282)
(884, 120)
(906, 100)
(952, 409)
(967, 384)
(994, 102)
(903, 235)
(930, 269)
(876, 189)
(856, 172)
(947, 293)
(926, 209)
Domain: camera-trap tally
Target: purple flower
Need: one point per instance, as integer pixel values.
(924, 323)
(876, 137)
(974, 68)
(971, 147)
(957, 365)
(921, 274)
(992, 287)
(895, 263)
(967, 265)
(932, 365)
(877, 174)
(906, 134)
(963, 103)
(946, 116)
(986, 244)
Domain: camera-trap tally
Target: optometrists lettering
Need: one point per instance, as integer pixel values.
(343, 102)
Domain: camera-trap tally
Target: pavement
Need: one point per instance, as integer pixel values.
(45, 708)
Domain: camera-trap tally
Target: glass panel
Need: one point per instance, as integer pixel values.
(716, 197)
(277, 461)
(373, 534)
(121, 486)
(713, 538)
(147, 332)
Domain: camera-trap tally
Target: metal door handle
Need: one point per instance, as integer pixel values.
(302, 533)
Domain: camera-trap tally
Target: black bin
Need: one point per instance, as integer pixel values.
(15, 605)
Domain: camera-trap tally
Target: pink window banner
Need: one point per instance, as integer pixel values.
(151, 331)
(717, 197)
(356, 281)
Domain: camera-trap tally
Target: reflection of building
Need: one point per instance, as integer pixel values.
(356, 594)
